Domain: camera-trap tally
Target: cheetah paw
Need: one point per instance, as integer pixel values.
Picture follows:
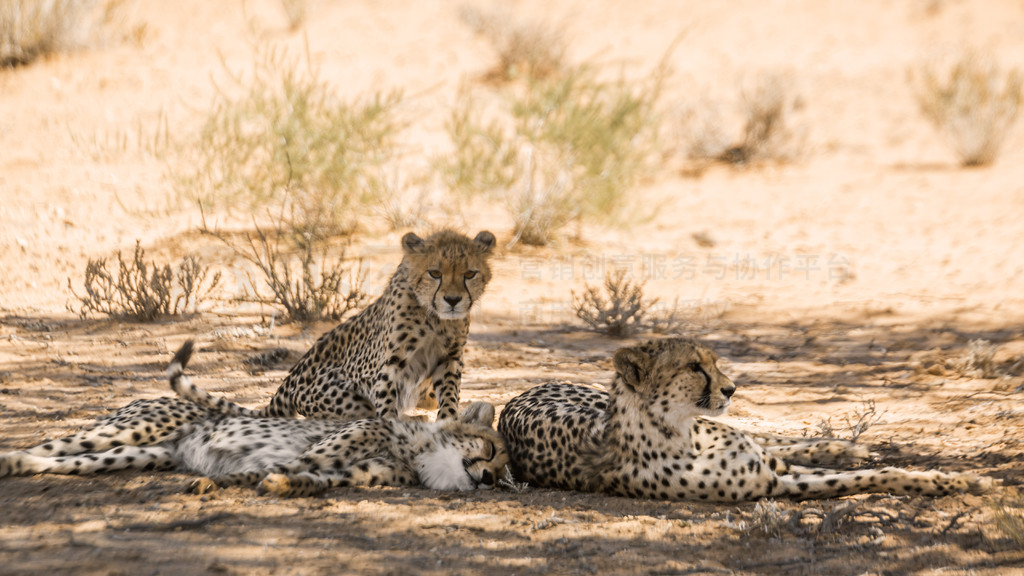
(978, 484)
(202, 486)
(859, 453)
(275, 484)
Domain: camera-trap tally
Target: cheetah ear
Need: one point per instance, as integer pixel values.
(413, 244)
(478, 413)
(633, 366)
(485, 241)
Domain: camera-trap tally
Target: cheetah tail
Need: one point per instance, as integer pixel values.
(186, 390)
(183, 355)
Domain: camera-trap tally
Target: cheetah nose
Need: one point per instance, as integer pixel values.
(487, 478)
(453, 300)
(727, 392)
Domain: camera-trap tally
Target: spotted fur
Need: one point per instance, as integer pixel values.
(647, 438)
(287, 457)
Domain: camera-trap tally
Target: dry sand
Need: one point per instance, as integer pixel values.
(853, 278)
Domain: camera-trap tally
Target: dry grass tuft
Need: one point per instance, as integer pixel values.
(525, 49)
(293, 260)
(144, 292)
(980, 359)
(1009, 519)
(32, 29)
(971, 101)
(769, 132)
(622, 310)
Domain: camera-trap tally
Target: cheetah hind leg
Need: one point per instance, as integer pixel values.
(141, 423)
(813, 451)
(120, 458)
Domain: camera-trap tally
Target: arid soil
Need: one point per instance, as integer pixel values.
(844, 287)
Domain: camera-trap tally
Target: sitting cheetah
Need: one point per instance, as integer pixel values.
(403, 349)
(646, 439)
(286, 457)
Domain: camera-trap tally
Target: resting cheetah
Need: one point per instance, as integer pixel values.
(287, 457)
(403, 349)
(646, 439)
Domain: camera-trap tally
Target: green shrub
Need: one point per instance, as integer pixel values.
(607, 130)
(484, 151)
(565, 148)
(289, 142)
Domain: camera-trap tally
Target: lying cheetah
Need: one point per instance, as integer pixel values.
(286, 457)
(645, 439)
(405, 348)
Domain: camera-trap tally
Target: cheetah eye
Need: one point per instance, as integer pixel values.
(435, 274)
(467, 462)
(470, 275)
(695, 366)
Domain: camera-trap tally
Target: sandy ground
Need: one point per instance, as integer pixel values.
(849, 280)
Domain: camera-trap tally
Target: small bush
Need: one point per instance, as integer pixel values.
(568, 148)
(525, 49)
(769, 520)
(293, 261)
(622, 310)
(30, 29)
(861, 421)
(296, 11)
(980, 359)
(320, 288)
(1009, 519)
(484, 154)
(144, 292)
(544, 198)
(768, 131)
(289, 140)
(607, 129)
(970, 101)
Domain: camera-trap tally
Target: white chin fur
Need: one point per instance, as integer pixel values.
(451, 314)
(442, 470)
(716, 411)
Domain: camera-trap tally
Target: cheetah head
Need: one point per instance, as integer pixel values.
(469, 454)
(448, 271)
(673, 379)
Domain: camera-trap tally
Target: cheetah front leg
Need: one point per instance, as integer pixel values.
(23, 463)
(803, 483)
(447, 378)
(209, 484)
(370, 472)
